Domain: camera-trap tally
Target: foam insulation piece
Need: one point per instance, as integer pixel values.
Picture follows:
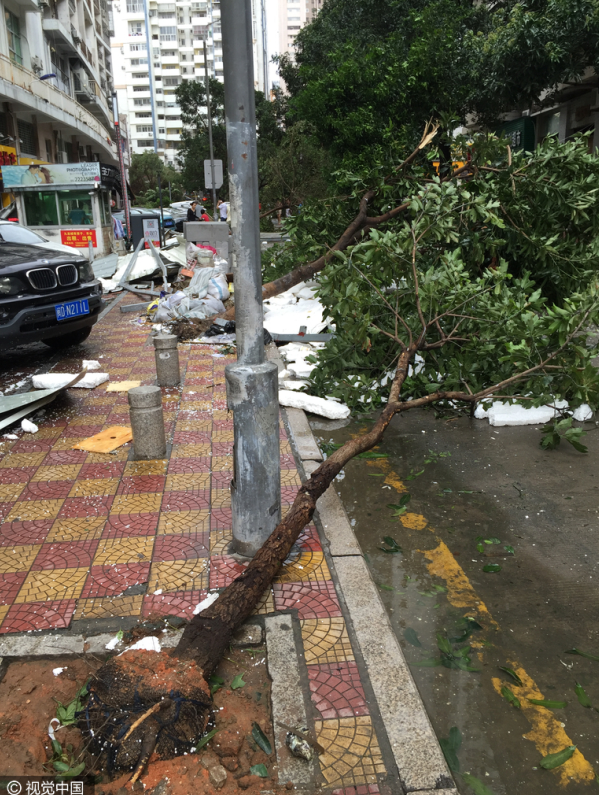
(314, 405)
(289, 319)
(506, 414)
(146, 644)
(583, 413)
(91, 364)
(29, 427)
(58, 380)
(301, 368)
(293, 385)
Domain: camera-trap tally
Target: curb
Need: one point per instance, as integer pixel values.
(414, 745)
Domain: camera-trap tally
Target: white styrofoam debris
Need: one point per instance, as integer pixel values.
(29, 427)
(481, 413)
(150, 643)
(91, 364)
(158, 592)
(112, 643)
(144, 266)
(503, 414)
(315, 405)
(294, 385)
(58, 671)
(583, 413)
(205, 603)
(301, 368)
(51, 729)
(306, 293)
(289, 319)
(297, 288)
(284, 374)
(57, 380)
(10, 436)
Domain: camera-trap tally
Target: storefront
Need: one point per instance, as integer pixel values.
(65, 202)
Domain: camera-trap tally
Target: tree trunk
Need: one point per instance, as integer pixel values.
(141, 701)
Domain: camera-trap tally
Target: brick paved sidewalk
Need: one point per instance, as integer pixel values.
(78, 530)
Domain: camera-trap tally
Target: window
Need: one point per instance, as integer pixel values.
(144, 128)
(135, 29)
(13, 29)
(137, 89)
(28, 137)
(40, 208)
(168, 53)
(166, 15)
(168, 33)
(138, 61)
(140, 75)
(139, 102)
(171, 81)
(200, 32)
(48, 150)
(75, 208)
(143, 115)
(161, 130)
(134, 8)
(138, 47)
(145, 144)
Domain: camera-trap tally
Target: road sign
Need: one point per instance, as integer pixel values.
(218, 174)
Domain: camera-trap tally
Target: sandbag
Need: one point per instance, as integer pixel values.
(218, 287)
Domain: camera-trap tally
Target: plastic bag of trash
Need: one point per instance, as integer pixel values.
(221, 265)
(198, 286)
(218, 287)
(191, 253)
(213, 305)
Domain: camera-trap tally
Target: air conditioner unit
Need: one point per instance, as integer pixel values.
(36, 64)
(81, 81)
(75, 34)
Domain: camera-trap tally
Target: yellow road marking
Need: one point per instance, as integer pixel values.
(546, 732)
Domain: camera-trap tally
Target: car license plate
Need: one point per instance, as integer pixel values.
(72, 309)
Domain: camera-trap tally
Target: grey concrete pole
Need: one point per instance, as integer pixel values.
(252, 384)
(147, 422)
(167, 360)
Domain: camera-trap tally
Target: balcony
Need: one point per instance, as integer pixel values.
(60, 37)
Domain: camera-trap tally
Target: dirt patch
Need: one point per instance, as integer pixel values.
(27, 695)
(190, 329)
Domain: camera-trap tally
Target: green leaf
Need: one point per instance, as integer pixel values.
(582, 697)
(492, 568)
(510, 697)
(450, 747)
(512, 674)
(261, 739)
(259, 770)
(73, 771)
(412, 637)
(216, 682)
(541, 702)
(371, 454)
(476, 784)
(57, 748)
(60, 767)
(392, 544)
(551, 761)
(206, 739)
(582, 654)
(509, 549)
(237, 682)
(443, 644)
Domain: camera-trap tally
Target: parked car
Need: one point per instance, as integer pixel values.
(48, 296)
(12, 232)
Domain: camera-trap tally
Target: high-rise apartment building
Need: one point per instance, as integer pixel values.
(293, 15)
(178, 31)
(55, 82)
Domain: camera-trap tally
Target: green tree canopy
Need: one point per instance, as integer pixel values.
(369, 73)
(145, 172)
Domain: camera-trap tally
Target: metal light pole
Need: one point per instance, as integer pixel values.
(153, 106)
(212, 180)
(119, 143)
(252, 383)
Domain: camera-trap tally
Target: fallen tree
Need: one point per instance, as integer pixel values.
(435, 306)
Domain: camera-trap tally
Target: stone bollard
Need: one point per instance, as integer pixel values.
(167, 360)
(147, 422)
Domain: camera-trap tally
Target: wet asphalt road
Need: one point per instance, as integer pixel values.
(492, 483)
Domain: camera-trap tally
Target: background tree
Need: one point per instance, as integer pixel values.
(144, 173)
(368, 74)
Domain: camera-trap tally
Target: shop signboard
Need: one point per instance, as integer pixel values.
(50, 174)
(152, 232)
(78, 238)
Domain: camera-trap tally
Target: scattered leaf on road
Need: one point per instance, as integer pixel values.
(582, 654)
(206, 739)
(393, 546)
(450, 747)
(492, 568)
(583, 699)
(551, 761)
(259, 770)
(541, 702)
(412, 637)
(512, 674)
(237, 682)
(477, 785)
(510, 697)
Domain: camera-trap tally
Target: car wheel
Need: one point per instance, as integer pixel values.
(75, 338)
